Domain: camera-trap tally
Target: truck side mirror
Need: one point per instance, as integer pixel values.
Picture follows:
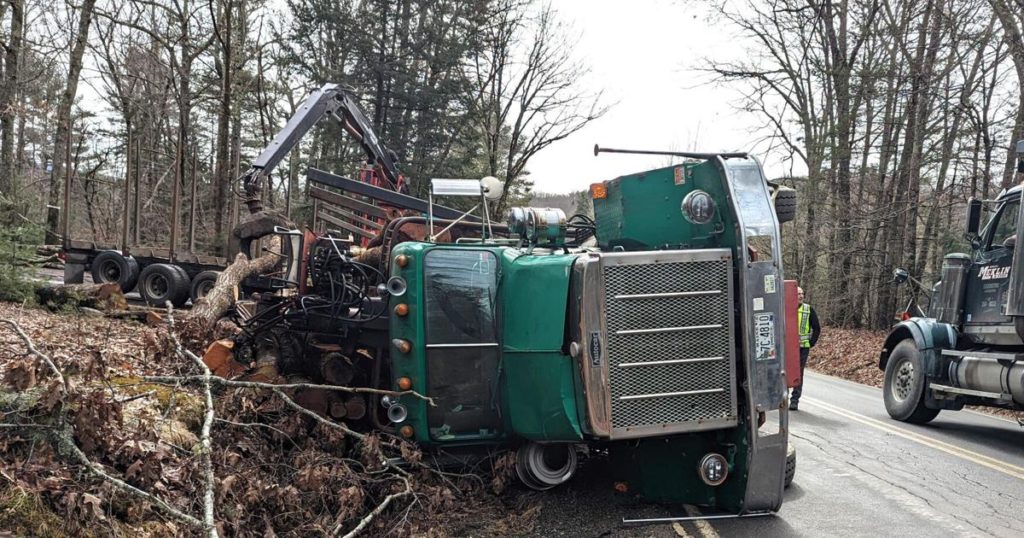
(1020, 156)
(973, 219)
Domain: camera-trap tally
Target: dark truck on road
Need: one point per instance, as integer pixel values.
(969, 347)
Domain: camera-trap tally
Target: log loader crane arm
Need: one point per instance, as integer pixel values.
(335, 101)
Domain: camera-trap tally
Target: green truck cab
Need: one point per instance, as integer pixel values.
(660, 341)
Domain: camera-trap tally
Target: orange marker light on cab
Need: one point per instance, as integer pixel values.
(401, 260)
(406, 431)
(598, 191)
(401, 310)
(404, 383)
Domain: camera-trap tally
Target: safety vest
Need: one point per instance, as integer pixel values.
(803, 314)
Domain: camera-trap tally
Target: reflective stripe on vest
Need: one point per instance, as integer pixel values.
(803, 314)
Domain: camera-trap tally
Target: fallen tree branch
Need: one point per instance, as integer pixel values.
(376, 511)
(104, 296)
(204, 438)
(329, 423)
(32, 349)
(166, 379)
(66, 443)
(63, 437)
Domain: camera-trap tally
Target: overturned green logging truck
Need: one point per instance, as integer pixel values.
(654, 331)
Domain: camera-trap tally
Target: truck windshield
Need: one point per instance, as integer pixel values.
(462, 344)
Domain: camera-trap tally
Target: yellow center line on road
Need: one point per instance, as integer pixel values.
(974, 457)
(703, 526)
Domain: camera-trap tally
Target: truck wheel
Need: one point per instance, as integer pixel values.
(202, 284)
(163, 282)
(905, 385)
(543, 466)
(133, 266)
(790, 465)
(111, 266)
(785, 204)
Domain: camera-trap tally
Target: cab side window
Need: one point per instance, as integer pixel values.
(1005, 225)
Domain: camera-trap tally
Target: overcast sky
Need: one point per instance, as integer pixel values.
(645, 55)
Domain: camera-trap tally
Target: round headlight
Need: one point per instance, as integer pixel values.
(698, 207)
(396, 286)
(714, 469)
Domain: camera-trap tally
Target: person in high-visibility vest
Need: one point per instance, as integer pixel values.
(809, 330)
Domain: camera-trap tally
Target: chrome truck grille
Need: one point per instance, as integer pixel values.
(668, 324)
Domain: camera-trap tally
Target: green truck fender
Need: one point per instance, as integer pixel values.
(931, 337)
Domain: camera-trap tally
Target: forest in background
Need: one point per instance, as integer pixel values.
(899, 111)
(892, 113)
(146, 98)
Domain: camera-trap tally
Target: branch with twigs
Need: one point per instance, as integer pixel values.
(167, 379)
(64, 438)
(34, 351)
(368, 518)
(204, 439)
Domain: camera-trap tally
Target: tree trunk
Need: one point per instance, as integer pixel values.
(63, 120)
(9, 99)
(221, 175)
(1011, 19)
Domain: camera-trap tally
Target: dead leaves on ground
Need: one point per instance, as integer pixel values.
(850, 354)
(278, 473)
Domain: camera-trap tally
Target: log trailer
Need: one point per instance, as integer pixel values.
(654, 331)
(968, 348)
(162, 275)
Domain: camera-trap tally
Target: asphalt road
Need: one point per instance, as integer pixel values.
(859, 473)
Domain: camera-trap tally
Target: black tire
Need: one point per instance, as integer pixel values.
(785, 204)
(202, 284)
(111, 266)
(133, 280)
(905, 385)
(162, 282)
(790, 465)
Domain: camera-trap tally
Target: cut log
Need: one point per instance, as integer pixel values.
(103, 297)
(337, 369)
(216, 303)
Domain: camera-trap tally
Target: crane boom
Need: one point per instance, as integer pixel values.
(335, 101)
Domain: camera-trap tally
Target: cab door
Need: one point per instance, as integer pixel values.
(989, 276)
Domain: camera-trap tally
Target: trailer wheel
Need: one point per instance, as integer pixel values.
(163, 282)
(133, 266)
(905, 385)
(111, 266)
(202, 284)
(790, 465)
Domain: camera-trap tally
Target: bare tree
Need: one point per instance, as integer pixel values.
(527, 94)
(61, 139)
(1011, 16)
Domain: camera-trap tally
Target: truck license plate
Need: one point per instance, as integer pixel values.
(764, 336)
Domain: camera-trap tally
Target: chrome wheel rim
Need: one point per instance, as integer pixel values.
(903, 380)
